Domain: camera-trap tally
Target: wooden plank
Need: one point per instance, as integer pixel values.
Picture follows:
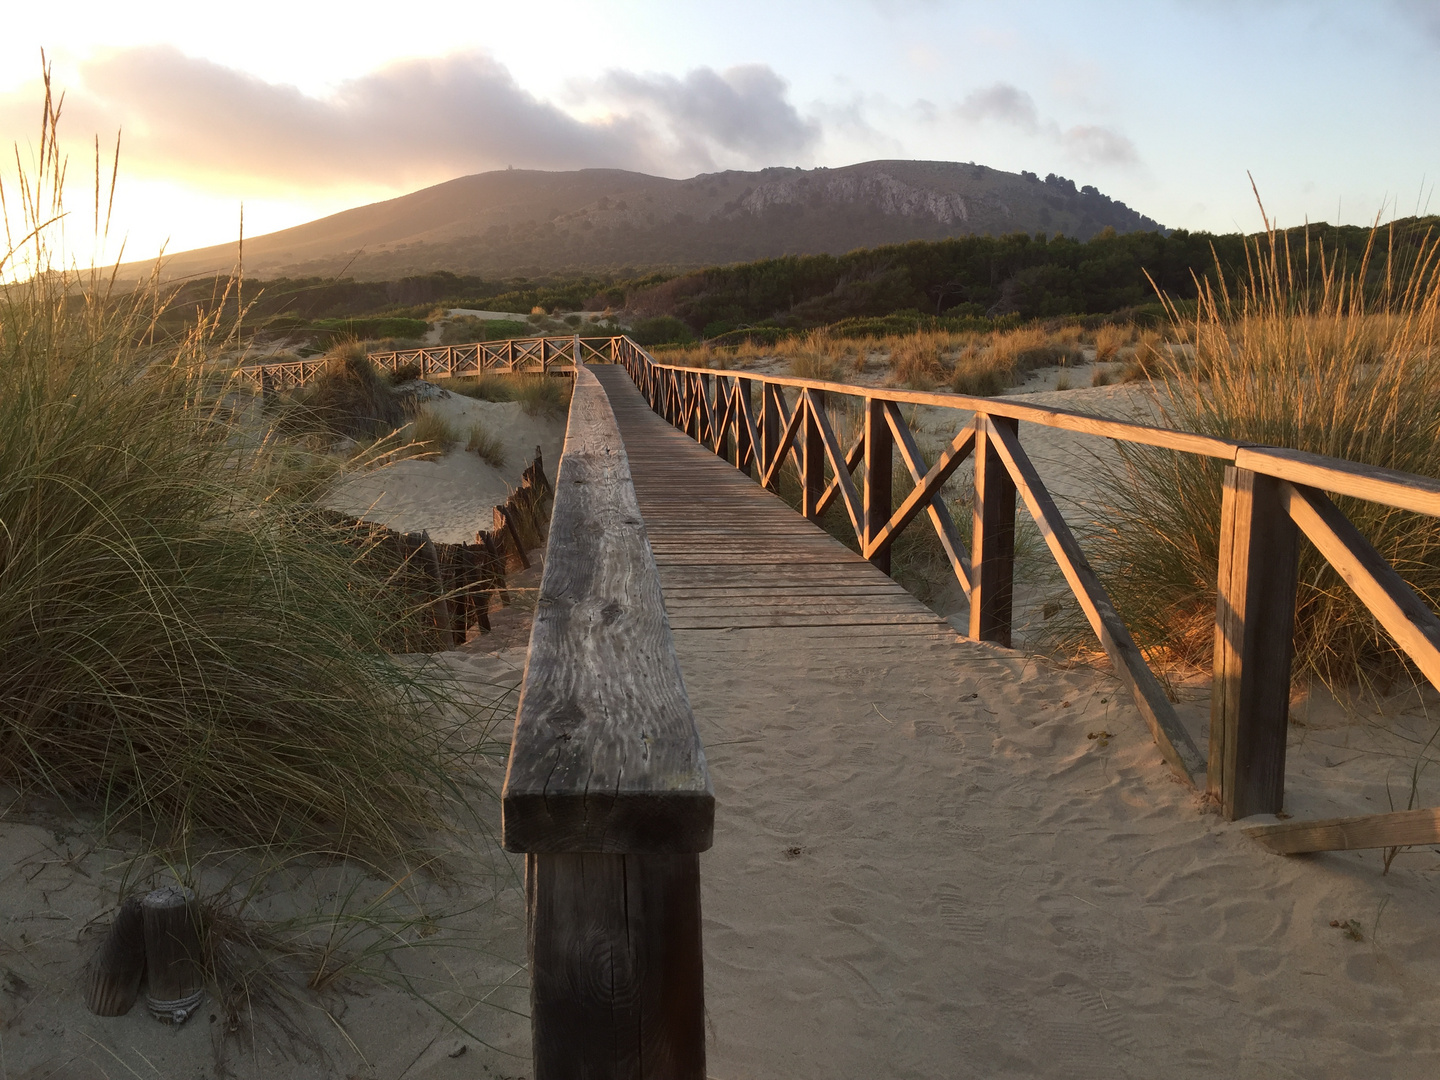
(605, 755)
(992, 574)
(812, 461)
(1254, 631)
(616, 967)
(1174, 741)
(1395, 605)
(1390, 487)
(879, 444)
(1402, 828)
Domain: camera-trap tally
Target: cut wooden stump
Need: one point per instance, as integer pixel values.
(172, 953)
(119, 964)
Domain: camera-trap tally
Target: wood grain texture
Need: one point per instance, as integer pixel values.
(1399, 829)
(1394, 604)
(173, 976)
(113, 980)
(1406, 491)
(1175, 744)
(605, 755)
(616, 967)
(992, 572)
(1254, 641)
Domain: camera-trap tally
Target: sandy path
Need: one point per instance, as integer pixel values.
(924, 867)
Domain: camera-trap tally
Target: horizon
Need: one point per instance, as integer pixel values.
(215, 115)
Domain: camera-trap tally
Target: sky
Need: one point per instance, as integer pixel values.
(296, 110)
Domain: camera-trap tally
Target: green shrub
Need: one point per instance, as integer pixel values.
(661, 330)
(377, 327)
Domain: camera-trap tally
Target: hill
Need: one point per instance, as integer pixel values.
(525, 222)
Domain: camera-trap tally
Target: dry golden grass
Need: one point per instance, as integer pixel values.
(1307, 354)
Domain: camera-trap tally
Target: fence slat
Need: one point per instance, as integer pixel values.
(1254, 623)
(1175, 744)
(992, 543)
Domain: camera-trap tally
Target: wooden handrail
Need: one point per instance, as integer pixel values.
(607, 792)
(1271, 496)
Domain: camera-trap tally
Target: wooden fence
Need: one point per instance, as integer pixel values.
(452, 586)
(541, 355)
(607, 792)
(1271, 497)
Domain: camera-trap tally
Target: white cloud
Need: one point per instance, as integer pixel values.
(413, 121)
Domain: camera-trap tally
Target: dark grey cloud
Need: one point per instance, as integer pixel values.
(743, 110)
(422, 120)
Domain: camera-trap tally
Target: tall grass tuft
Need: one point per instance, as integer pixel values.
(182, 642)
(543, 395)
(486, 444)
(1305, 353)
(433, 433)
(349, 397)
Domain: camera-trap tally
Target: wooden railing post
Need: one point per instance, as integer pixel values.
(769, 432)
(992, 547)
(1254, 642)
(812, 460)
(607, 792)
(879, 474)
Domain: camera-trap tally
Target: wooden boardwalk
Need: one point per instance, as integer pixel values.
(732, 556)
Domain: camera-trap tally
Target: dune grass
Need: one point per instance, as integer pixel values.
(348, 398)
(185, 644)
(1310, 354)
(434, 434)
(486, 444)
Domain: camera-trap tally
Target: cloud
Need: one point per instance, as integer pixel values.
(416, 121)
(742, 109)
(1424, 14)
(1002, 103)
(1092, 145)
(1088, 144)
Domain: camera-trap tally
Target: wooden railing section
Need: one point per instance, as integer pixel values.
(1271, 497)
(543, 355)
(608, 793)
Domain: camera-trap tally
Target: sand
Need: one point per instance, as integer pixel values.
(454, 496)
(950, 861)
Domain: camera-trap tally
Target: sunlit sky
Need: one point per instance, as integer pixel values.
(299, 110)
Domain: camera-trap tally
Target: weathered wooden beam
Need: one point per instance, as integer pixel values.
(605, 756)
(992, 543)
(1175, 744)
(616, 970)
(1254, 641)
(1402, 828)
(113, 979)
(175, 984)
(853, 457)
(607, 790)
(812, 459)
(879, 483)
(1395, 605)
